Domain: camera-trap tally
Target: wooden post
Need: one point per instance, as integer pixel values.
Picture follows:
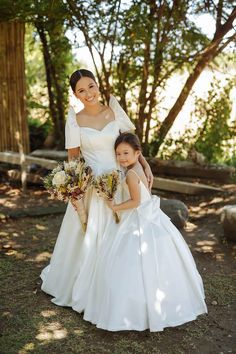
(13, 119)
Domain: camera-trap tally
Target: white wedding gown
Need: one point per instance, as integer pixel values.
(135, 275)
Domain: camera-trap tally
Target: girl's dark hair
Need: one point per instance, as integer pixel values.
(130, 139)
(78, 74)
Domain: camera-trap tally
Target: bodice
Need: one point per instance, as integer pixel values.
(97, 147)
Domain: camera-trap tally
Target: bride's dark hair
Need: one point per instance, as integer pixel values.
(78, 74)
(128, 138)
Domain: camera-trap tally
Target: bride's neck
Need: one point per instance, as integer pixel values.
(94, 110)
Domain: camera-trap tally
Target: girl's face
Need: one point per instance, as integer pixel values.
(126, 155)
(86, 90)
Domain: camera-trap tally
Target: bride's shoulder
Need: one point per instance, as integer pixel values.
(80, 116)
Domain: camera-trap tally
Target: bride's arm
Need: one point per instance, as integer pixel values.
(73, 153)
(147, 170)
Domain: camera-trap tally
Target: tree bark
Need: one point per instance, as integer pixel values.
(13, 116)
(54, 92)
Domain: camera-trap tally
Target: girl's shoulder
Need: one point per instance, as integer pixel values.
(131, 173)
(137, 174)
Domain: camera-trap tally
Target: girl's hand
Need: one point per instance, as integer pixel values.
(149, 175)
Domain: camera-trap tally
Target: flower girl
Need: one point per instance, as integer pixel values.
(145, 276)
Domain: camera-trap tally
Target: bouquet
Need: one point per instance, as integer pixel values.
(68, 182)
(106, 186)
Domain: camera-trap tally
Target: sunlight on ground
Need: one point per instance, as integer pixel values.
(4, 234)
(190, 227)
(205, 246)
(51, 331)
(216, 200)
(28, 347)
(7, 314)
(78, 331)
(48, 313)
(16, 254)
(41, 227)
(44, 256)
(220, 256)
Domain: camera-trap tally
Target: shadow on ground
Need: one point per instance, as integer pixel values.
(30, 323)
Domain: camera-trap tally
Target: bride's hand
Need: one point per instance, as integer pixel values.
(73, 202)
(110, 203)
(149, 175)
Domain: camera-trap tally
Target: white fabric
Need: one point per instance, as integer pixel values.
(124, 122)
(137, 274)
(144, 277)
(72, 129)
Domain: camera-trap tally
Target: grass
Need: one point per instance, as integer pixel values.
(30, 323)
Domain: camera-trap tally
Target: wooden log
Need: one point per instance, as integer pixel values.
(33, 212)
(29, 177)
(159, 184)
(183, 187)
(191, 169)
(14, 158)
(50, 154)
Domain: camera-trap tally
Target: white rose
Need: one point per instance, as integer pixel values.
(59, 179)
(57, 169)
(70, 165)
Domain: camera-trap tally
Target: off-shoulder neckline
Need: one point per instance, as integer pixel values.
(98, 130)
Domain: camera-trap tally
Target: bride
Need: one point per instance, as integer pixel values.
(92, 132)
(74, 277)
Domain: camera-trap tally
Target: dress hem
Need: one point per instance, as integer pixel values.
(159, 329)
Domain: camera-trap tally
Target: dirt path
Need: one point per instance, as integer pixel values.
(30, 323)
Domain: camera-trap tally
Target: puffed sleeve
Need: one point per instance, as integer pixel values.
(72, 130)
(123, 120)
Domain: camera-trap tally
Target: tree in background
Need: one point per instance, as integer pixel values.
(99, 21)
(215, 136)
(49, 18)
(218, 132)
(148, 41)
(141, 44)
(224, 13)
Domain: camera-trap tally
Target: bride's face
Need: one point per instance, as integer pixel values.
(86, 90)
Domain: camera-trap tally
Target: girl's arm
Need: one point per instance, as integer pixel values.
(73, 153)
(147, 171)
(134, 190)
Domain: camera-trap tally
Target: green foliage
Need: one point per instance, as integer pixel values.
(215, 136)
(140, 43)
(173, 39)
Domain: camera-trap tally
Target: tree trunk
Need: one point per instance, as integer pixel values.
(14, 133)
(54, 93)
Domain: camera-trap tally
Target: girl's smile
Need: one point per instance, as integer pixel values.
(126, 156)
